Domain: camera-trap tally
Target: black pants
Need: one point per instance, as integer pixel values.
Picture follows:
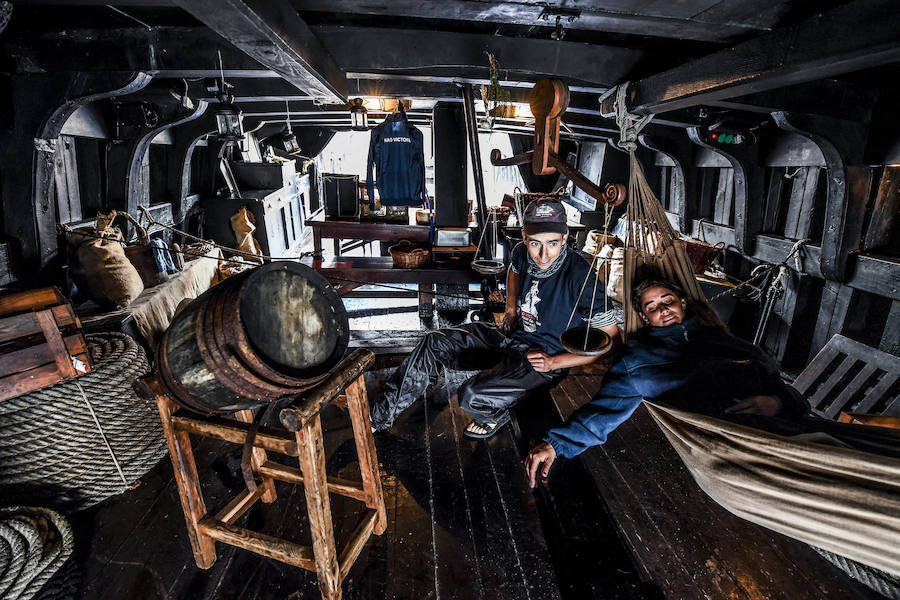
(485, 396)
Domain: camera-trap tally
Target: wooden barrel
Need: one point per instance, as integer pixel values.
(258, 336)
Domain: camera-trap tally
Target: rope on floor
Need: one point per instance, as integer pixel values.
(53, 452)
(884, 583)
(34, 544)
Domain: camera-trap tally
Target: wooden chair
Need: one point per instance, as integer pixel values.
(847, 376)
(302, 437)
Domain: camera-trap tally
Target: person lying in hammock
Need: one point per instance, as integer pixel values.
(544, 284)
(681, 361)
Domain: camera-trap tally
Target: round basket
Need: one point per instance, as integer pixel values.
(598, 341)
(406, 255)
(702, 254)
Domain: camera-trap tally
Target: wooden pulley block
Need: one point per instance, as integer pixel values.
(549, 100)
(614, 194)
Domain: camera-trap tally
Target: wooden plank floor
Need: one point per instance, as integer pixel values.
(461, 523)
(685, 544)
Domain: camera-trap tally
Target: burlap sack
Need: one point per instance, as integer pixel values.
(100, 268)
(243, 227)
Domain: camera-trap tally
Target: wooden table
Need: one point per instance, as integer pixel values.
(364, 230)
(347, 273)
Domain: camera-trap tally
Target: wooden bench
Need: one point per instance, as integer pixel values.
(847, 376)
(350, 272)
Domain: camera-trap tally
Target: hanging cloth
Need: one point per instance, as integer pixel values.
(397, 159)
(845, 501)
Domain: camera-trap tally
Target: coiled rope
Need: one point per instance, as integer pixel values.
(34, 544)
(54, 451)
(884, 583)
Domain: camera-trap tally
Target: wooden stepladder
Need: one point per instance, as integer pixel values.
(302, 438)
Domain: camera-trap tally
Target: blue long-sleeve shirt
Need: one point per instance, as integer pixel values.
(691, 366)
(396, 155)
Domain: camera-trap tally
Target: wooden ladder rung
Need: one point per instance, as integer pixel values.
(357, 540)
(336, 485)
(229, 430)
(241, 504)
(260, 543)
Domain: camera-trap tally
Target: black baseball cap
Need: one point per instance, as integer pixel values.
(545, 216)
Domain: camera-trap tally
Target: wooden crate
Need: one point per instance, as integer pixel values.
(40, 335)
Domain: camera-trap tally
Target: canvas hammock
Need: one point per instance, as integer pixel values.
(838, 499)
(841, 500)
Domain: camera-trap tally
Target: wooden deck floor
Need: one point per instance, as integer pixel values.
(623, 521)
(462, 524)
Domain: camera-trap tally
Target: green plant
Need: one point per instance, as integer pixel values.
(496, 99)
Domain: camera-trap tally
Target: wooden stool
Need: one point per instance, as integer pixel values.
(302, 437)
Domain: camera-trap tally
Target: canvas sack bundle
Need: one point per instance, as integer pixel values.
(99, 266)
(243, 227)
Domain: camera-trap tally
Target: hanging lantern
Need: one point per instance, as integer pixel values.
(229, 122)
(359, 116)
(289, 140)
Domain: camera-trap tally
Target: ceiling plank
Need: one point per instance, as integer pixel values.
(590, 18)
(855, 36)
(272, 32)
(389, 51)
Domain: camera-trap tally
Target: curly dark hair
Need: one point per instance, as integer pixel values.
(638, 291)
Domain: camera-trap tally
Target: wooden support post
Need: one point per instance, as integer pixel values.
(43, 103)
(684, 186)
(258, 459)
(842, 144)
(358, 406)
(884, 213)
(312, 464)
(748, 186)
(125, 184)
(890, 339)
(426, 300)
(186, 477)
(836, 299)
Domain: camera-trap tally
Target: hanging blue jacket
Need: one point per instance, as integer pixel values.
(396, 154)
(690, 366)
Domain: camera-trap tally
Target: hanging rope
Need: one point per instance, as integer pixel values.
(630, 125)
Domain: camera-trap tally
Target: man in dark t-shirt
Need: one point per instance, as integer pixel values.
(545, 283)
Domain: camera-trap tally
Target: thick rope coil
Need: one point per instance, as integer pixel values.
(51, 450)
(34, 544)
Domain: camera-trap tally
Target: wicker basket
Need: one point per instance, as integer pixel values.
(702, 254)
(407, 255)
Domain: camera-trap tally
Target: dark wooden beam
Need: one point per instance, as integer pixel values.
(632, 21)
(842, 144)
(271, 32)
(161, 51)
(828, 97)
(388, 51)
(858, 35)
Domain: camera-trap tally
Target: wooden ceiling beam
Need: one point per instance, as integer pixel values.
(391, 52)
(272, 33)
(589, 18)
(851, 37)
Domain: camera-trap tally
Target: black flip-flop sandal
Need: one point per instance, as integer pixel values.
(490, 427)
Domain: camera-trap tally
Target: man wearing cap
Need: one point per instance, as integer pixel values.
(545, 282)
